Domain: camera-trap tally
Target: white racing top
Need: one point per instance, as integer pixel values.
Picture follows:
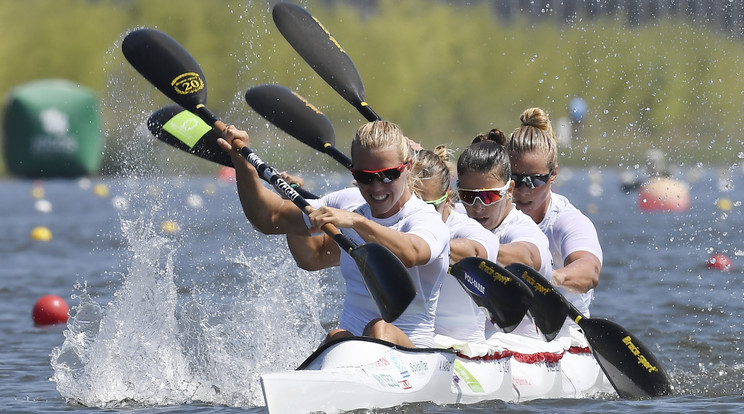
(418, 218)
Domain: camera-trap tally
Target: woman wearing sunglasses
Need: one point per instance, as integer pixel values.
(574, 245)
(485, 192)
(457, 316)
(389, 215)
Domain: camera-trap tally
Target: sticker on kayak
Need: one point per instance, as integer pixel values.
(187, 127)
(469, 378)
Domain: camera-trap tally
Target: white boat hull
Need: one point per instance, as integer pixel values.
(358, 373)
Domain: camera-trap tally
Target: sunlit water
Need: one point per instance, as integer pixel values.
(189, 320)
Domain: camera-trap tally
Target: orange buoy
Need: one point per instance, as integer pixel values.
(664, 194)
(50, 309)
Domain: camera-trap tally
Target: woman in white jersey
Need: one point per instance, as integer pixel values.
(574, 245)
(485, 191)
(391, 216)
(457, 316)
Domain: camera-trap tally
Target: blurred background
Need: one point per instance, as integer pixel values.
(618, 78)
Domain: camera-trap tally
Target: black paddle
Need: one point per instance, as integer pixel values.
(170, 68)
(289, 111)
(183, 130)
(629, 365)
(323, 53)
(503, 296)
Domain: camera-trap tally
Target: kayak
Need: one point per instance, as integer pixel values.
(366, 373)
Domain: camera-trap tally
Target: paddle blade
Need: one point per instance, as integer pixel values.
(386, 278)
(167, 66)
(182, 129)
(548, 309)
(629, 365)
(320, 50)
(292, 114)
(503, 297)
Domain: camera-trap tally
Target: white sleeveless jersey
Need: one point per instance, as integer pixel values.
(416, 217)
(457, 315)
(568, 230)
(519, 227)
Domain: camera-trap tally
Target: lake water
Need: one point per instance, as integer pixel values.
(187, 319)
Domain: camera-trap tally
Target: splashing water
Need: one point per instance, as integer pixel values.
(154, 345)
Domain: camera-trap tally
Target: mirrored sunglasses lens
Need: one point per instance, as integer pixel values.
(539, 182)
(467, 197)
(363, 177)
(486, 197)
(390, 175)
(489, 197)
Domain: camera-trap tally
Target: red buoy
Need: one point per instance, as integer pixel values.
(226, 174)
(719, 261)
(50, 309)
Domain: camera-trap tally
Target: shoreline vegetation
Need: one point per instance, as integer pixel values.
(444, 71)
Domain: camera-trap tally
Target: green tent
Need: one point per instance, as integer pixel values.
(51, 128)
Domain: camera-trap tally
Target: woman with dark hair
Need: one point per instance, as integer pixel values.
(485, 191)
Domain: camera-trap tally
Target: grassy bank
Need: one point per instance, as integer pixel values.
(444, 72)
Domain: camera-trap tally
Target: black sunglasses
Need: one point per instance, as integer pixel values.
(384, 175)
(532, 181)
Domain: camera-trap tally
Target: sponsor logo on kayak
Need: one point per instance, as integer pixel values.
(469, 378)
(628, 341)
(187, 83)
(400, 366)
(382, 362)
(445, 366)
(386, 380)
(535, 284)
(405, 384)
(418, 367)
(497, 277)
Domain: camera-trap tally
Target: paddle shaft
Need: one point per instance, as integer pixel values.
(272, 176)
(339, 156)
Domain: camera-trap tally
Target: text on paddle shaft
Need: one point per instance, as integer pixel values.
(187, 83)
(497, 277)
(628, 341)
(535, 284)
(270, 173)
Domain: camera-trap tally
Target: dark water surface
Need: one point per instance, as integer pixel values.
(187, 320)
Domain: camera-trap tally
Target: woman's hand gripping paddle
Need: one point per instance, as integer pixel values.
(502, 296)
(323, 53)
(170, 68)
(629, 365)
(293, 114)
(182, 129)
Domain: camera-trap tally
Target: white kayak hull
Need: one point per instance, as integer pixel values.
(358, 373)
